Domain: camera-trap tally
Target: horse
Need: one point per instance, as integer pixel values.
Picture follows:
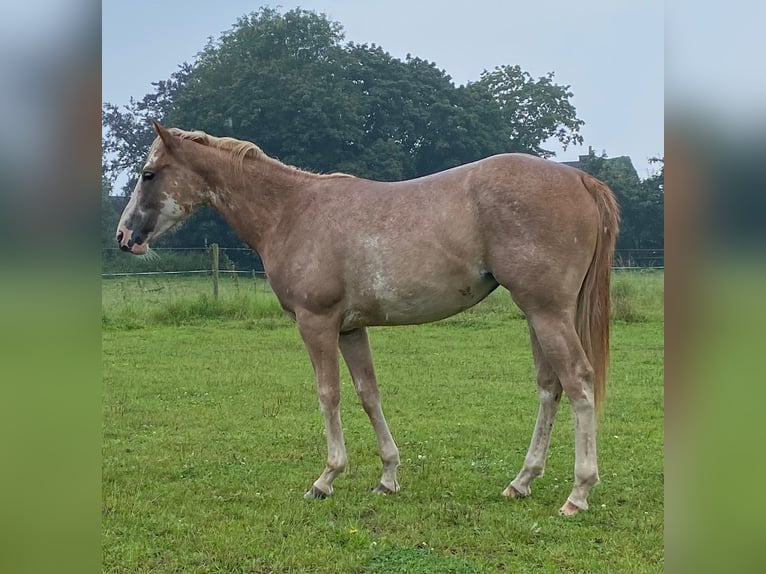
(343, 253)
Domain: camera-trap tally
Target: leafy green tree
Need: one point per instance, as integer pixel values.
(532, 111)
(127, 132)
(276, 80)
(641, 203)
(392, 96)
(414, 120)
(652, 207)
(288, 82)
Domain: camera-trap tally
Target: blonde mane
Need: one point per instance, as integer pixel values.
(239, 150)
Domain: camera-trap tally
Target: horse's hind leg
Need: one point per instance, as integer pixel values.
(549, 391)
(561, 347)
(355, 347)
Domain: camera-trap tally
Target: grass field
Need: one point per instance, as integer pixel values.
(212, 433)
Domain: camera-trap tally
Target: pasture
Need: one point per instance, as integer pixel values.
(212, 432)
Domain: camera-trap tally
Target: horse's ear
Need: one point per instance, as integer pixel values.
(167, 138)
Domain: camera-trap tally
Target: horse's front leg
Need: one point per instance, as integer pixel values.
(320, 334)
(355, 347)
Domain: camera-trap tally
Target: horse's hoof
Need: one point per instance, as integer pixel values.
(511, 492)
(315, 492)
(569, 509)
(383, 489)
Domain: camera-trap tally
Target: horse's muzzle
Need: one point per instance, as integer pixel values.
(127, 240)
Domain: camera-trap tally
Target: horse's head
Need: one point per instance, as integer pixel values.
(167, 192)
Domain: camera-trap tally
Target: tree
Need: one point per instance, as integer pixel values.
(393, 98)
(641, 203)
(288, 82)
(532, 111)
(652, 207)
(128, 133)
(275, 79)
(414, 120)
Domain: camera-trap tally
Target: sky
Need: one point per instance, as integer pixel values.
(610, 53)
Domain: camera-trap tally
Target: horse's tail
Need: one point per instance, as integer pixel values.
(593, 302)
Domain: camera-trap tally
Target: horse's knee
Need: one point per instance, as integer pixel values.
(579, 389)
(549, 395)
(329, 399)
(371, 405)
(547, 379)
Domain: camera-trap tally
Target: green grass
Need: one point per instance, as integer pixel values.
(637, 296)
(212, 433)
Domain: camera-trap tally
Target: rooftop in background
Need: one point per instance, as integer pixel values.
(578, 163)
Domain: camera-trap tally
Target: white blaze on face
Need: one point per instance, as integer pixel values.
(131, 206)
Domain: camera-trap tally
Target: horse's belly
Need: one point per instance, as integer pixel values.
(411, 303)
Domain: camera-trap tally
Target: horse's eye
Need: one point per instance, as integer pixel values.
(147, 175)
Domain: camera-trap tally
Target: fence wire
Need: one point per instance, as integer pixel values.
(244, 261)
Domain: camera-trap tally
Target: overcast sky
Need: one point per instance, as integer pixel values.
(610, 53)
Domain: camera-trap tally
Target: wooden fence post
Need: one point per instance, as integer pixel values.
(214, 248)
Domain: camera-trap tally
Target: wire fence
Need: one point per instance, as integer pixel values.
(639, 259)
(242, 261)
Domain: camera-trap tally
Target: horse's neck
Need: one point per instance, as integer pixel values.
(254, 200)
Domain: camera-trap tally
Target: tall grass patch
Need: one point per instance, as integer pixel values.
(637, 296)
(134, 302)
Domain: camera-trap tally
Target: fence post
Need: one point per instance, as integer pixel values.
(214, 248)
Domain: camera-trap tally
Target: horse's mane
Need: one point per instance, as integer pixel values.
(239, 150)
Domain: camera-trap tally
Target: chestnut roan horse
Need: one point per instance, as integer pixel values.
(344, 253)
